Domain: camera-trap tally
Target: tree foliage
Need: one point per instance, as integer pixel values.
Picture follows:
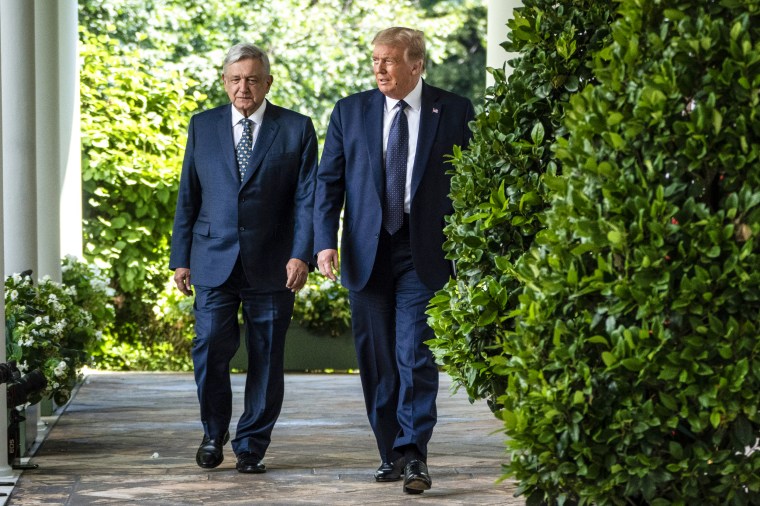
(320, 51)
(147, 65)
(132, 116)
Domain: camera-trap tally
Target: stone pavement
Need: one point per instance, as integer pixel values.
(130, 438)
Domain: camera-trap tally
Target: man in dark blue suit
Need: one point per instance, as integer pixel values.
(243, 229)
(384, 163)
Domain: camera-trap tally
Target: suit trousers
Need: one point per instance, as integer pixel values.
(397, 369)
(266, 317)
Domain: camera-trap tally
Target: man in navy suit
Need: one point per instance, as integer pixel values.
(385, 164)
(243, 229)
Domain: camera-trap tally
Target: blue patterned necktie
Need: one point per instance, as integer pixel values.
(396, 156)
(243, 148)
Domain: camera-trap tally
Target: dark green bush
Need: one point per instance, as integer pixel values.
(496, 187)
(619, 343)
(634, 370)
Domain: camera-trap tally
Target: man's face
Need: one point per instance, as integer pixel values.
(395, 75)
(246, 84)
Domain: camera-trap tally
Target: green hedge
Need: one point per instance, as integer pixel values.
(497, 187)
(623, 341)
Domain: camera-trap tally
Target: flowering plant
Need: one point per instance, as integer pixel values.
(50, 327)
(92, 292)
(322, 306)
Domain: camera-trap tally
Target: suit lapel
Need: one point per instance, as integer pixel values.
(267, 133)
(226, 139)
(430, 115)
(373, 130)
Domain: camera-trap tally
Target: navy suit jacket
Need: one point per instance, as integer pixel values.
(351, 174)
(266, 219)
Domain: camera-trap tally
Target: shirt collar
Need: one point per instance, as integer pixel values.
(257, 117)
(413, 99)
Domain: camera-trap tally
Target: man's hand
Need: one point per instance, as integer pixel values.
(298, 272)
(182, 279)
(327, 261)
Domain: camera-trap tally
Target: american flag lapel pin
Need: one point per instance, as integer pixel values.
(435, 110)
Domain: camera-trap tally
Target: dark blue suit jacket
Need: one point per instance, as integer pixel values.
(352, 167)
(266, 220)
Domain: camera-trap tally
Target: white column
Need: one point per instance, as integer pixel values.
(499, 12)
(5, 470)
(19, 85)
(47, 134)
(70, 155)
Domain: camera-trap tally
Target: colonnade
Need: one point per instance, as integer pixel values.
(40, 168)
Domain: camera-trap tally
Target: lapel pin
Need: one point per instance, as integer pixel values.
(435, 110)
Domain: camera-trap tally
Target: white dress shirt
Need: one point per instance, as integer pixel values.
(257, 117)
(414, 103)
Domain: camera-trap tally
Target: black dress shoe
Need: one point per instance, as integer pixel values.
(390, 471)
(416, 477)
(250, 463)
(209, 453)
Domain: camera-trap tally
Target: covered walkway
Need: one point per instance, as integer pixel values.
(130, 438)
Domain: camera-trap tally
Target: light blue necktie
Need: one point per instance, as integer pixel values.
(243, 149)
(396, 156)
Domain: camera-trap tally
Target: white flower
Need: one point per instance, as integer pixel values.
(99, 335)
(22, 366)
(38, 320)
(14, 295)
(60, 369)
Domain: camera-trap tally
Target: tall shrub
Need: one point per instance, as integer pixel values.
(497, 187)
(634, 372)
(134, 119)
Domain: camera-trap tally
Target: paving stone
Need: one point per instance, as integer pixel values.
(130, 438)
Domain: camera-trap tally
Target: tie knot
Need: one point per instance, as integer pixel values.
(246, 123)
(402, 105)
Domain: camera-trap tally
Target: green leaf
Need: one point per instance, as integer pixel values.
(537, 133)
(715, 419)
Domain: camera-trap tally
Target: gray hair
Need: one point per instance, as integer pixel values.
(245, 51)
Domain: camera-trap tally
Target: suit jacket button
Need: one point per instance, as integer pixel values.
(242, 228)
